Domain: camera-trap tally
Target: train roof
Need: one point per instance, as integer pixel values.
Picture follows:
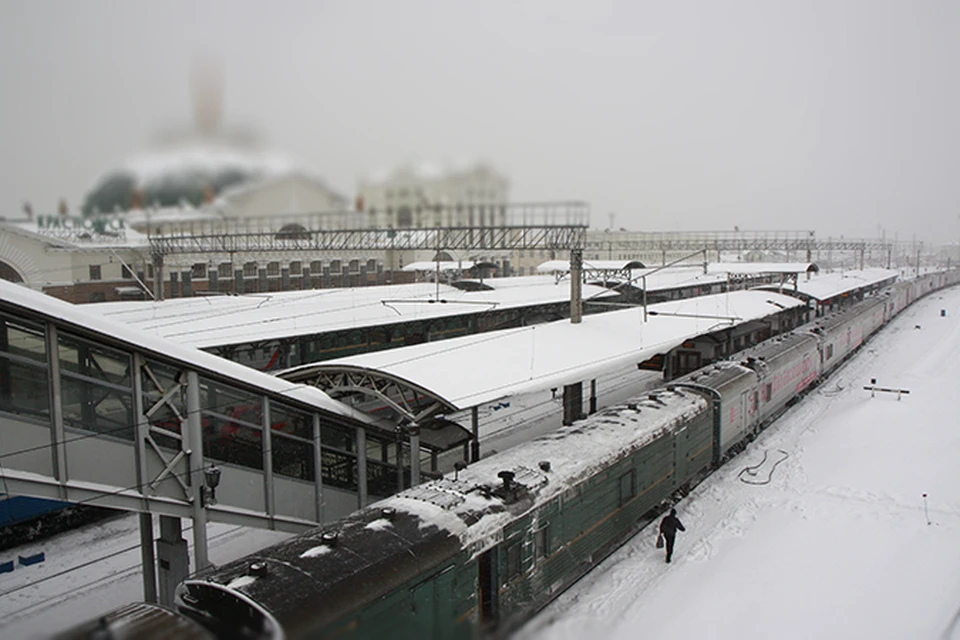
(842, 315)
(329, 571)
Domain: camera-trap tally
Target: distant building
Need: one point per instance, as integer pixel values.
(288, 194)
(430, 195)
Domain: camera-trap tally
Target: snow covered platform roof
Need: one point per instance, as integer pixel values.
(460, 265)
(473, 370)
(563, 266)
(211, 321)
(757, 268)
(830, 285)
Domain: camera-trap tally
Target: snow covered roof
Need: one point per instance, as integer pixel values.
(828, 285)
(275, 177)
(563, 266)
(762, 267)
(481, 368)
(81, 316)
(220, 320)
(75, 233)
(204, 156)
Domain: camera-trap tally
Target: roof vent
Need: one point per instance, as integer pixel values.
(507, 477)
(545, 465)
(329, 538)
(257, 569)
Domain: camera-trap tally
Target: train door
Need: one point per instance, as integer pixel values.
(487, 565)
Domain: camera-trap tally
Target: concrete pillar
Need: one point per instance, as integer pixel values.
(475, 424)
(414, 430)
(147, 558)
(362, 495)
(572, 402)
(172, 558)
(317, 469)
(576, 284)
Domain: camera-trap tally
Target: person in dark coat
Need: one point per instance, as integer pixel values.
(668, 529)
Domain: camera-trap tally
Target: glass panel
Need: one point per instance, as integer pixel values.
(231, 402)
(293, 458)
(290, 421)
(94, 360)
(22, 338)
(88, 405)
(24, 388)
(340, 469)
(231, 442)
(336, 438)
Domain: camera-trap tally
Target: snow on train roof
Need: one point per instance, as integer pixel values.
(210, 321)
(80, 315)
(574, 453)
(472, 370)
(828, 285)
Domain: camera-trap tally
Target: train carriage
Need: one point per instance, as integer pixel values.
(454, 556)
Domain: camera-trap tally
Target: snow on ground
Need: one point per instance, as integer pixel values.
(95, 569)
(838, 543)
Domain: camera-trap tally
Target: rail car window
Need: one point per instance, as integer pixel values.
(829, 351)
(767, 392)
(513, 560)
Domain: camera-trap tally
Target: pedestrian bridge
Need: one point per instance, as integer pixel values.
(96, 413)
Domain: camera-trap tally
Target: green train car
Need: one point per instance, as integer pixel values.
(456, 558)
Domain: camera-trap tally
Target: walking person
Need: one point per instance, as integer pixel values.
(668, 529)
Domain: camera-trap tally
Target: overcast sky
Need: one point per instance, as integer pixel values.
(812, 114)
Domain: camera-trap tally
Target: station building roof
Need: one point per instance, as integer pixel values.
(211, 321)
(825, 286)
(473, 370)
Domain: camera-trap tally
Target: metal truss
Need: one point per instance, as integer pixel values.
(730, 241)
(414, 403)
(504, 238)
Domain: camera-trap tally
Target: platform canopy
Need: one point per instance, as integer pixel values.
(830, 285)
(460, 373)
(757, 268)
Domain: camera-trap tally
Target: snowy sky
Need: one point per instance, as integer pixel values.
(833, 115)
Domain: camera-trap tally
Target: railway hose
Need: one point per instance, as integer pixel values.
(752, 470)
